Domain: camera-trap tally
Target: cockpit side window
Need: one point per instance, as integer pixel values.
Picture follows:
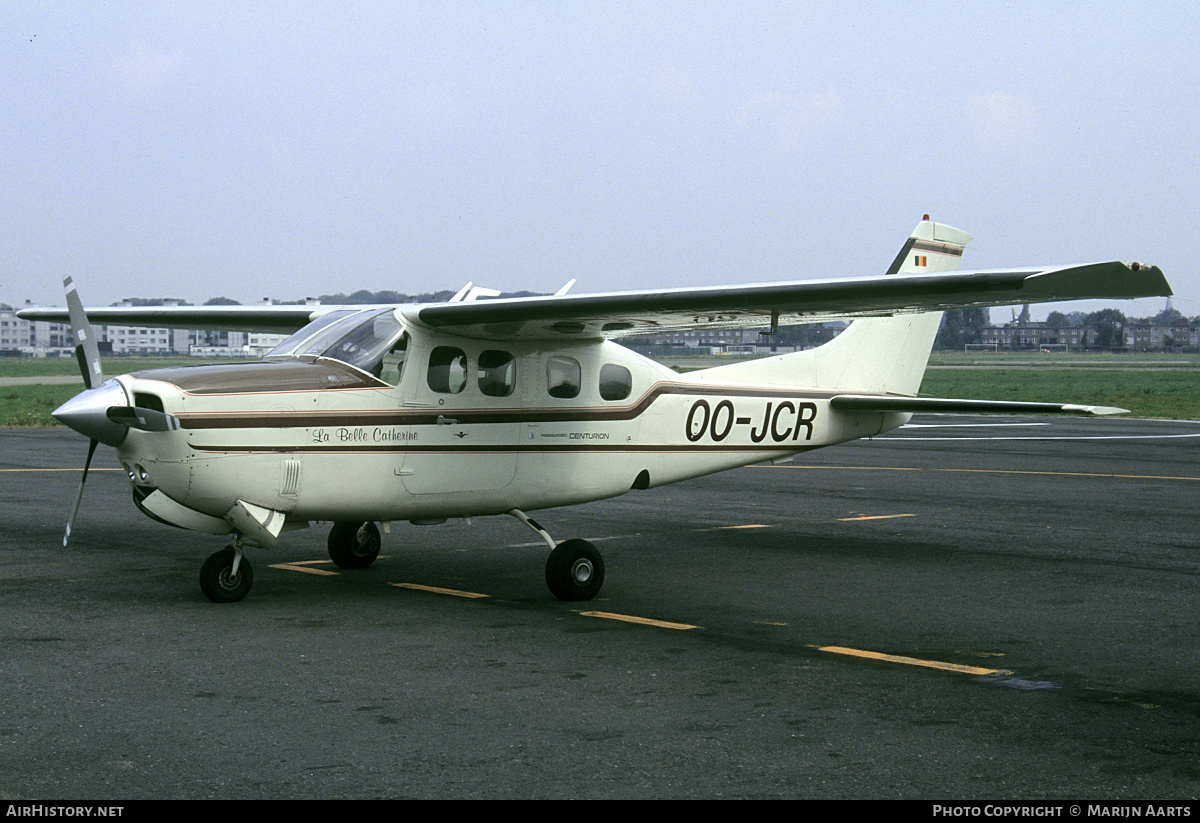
(563, 377)
(447, 370)
(497, 373)
(365, 345)
(391, 368)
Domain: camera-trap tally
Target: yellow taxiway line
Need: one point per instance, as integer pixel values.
(908, 661)
(305, 566)
(642, 621)
(873, 517)
(439, 590)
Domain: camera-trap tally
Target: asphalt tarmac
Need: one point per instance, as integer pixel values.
(1032, 584)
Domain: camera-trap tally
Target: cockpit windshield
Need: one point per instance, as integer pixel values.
(320, 329)
(359, 338)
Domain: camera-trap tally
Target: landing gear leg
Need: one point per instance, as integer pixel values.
(226, 576)
(574, 570)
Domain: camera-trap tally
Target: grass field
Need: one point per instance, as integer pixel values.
(1145, 392)
(67, 367)
(30, 405)
(1149, 385)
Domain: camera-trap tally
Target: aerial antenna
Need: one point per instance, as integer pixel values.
(480, 291)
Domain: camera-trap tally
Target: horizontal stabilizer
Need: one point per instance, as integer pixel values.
(944, 405)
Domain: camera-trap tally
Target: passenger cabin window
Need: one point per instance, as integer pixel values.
(562, 377)
(497, 373)
(447, 370)
(615, 382)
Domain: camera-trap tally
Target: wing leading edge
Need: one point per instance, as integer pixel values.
(266, 319)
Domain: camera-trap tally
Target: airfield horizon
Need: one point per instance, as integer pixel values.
(1149, 384)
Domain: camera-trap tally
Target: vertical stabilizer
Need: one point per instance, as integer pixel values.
(875, 354)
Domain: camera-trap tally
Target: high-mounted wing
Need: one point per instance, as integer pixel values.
(267, 319)
(622, 314)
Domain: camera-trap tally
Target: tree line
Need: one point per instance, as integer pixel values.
(962, 326)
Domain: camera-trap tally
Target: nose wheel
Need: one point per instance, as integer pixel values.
(226, 576)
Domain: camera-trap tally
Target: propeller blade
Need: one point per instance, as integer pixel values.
(79, 497)
(86, 350)
(147, 420)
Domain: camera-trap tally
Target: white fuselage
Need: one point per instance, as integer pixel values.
(471, 427)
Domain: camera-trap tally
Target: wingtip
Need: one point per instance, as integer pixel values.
(1096, 411)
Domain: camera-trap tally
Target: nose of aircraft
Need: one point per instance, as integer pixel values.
(87, 413)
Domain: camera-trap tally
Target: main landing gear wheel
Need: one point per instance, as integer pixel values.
(575, 571)
(354, 545)
(218, 581)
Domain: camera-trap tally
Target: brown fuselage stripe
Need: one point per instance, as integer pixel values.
(466, 417)
(484, 449)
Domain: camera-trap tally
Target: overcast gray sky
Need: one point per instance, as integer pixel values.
(249, 149)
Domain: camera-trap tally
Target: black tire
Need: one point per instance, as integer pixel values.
(217, 580)
(354, 545)
(575, 571)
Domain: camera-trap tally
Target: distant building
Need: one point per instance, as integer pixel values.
(1138, 335)
(1032, 335)
(739, 341)
(1146, 335)
(29, 338)
(41, 339)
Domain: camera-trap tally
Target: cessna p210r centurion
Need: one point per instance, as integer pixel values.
(365, 416)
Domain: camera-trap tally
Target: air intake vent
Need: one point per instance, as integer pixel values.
(144, 400)
(289, 479)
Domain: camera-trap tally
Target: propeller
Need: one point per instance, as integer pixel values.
(79, 497)
(86, 350)
(87, 353)
(101, 412)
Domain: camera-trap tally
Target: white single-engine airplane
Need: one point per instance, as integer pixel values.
(504, 406)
